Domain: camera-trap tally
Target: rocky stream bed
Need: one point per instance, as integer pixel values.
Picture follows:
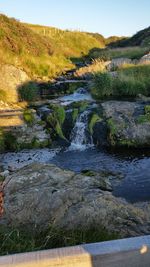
(81, 163)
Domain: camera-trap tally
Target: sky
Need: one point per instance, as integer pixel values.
(108, 17)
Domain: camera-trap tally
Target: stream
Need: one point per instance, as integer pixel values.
(131, 168)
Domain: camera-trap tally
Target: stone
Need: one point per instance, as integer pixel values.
(118, 62)
(145, 59)
(26, 134)
(41, 195)
(11, 78)
(124, 124)
(4, 173)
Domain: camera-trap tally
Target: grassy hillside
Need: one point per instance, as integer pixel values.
(41, 51)
(141, 38)
(68, 43)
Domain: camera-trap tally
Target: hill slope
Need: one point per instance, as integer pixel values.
(141, 38)
(41, 51)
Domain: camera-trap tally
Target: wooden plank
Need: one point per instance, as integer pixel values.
(130, 252)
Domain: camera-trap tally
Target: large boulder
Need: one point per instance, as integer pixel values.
(118, 62)
(128, 123)
(145, 59)
(40, 195)
(11, 78)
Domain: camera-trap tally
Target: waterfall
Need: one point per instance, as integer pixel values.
(80, 136)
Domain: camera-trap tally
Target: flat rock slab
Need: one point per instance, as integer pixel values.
(40, 195)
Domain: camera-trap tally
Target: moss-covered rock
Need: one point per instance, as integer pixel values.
(147, 109)
(28, 116)
(95, 118)
(75, 113)
(128, 123)
(55, 121)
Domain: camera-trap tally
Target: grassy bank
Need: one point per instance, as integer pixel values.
(129, 81)
(135, 52)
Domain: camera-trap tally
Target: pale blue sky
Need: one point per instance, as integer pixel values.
(108, 17)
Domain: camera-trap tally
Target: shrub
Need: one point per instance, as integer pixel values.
(28, 92)
(102, 85)
(129, 82)
(7, 141)
(10, 142)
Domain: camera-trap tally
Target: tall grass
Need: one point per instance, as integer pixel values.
(97, 65)
(129, 82)
(16, 240)
(135, 52)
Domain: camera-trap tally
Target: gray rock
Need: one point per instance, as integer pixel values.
(4, 173)
(26, 134)
(118, 62)
(145, 59)
(41, 195)
(127, 123)
(11, 78)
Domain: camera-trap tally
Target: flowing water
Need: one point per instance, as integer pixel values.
(132, 168)
(80, 95)
(80, 138)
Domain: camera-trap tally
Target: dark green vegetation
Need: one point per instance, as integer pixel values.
(130, 81)
(28, 92)
(7, 141)
(141, 38)
(15, 241)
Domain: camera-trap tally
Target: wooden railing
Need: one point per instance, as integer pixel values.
(130, 252)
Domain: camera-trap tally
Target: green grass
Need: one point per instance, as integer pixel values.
(16, 241)
(128, 52)
(42, 51)
(69, 43)
(130, 82)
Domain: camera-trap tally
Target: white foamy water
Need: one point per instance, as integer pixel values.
(80, 139)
